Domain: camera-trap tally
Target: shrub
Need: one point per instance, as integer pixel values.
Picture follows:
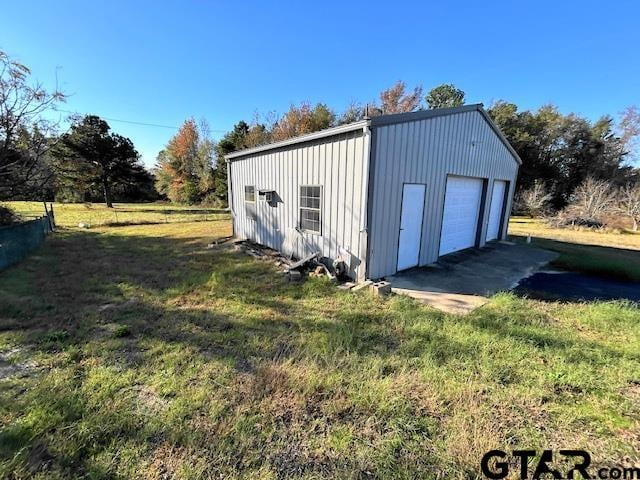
(8, 216)
(629, 203)
(122, 331)
(534, 201)
(589, 205)
(212, 201)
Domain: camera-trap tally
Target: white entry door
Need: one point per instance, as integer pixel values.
(497, 207)
(462, 201)
(410, 225)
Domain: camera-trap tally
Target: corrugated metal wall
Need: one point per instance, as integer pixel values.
(426, 151)
(337, 164)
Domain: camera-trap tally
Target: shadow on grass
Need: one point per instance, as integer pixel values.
(608, 262)
(572, 349)
(215, 301)
(130, 303)
(156, 222)
(175, 211)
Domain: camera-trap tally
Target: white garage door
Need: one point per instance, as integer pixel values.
(495, 212)
(461, 209)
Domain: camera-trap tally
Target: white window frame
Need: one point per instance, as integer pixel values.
(310, 209)
(253, 188)
(250, 205)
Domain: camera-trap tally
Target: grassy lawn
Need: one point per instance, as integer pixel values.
(615, 255)
(97, 214)
(136, 352)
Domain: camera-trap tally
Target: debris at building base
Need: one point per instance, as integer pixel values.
(309, 265)
(346, 286)
(304, 261)
(220, 241)
(362, 285)
(380, 289)
(257, 251)
(295, 276)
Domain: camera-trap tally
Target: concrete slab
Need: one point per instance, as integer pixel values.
(463, 281)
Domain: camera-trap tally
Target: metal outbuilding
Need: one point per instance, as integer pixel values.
(383, 194)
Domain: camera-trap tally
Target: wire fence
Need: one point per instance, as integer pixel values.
(17, 241)
(91, 215)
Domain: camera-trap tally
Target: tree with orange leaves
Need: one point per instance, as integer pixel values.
(303, 119)
(184, 169)
(396, 99)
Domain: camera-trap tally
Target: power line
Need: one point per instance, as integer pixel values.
(132, 122)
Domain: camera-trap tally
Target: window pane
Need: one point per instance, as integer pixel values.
(250, 209)
(310, 199)
(249, 193)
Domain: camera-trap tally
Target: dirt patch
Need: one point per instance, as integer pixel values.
(149, 402)
(165, 461)
(11, 366)
(39, 457)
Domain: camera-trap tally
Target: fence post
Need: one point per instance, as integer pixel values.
(53, 216)
(46, 213)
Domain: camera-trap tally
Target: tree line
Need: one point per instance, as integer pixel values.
(191, 168)
(87, 162)
(90, 162)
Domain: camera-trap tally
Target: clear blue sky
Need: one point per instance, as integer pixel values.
(161, 62)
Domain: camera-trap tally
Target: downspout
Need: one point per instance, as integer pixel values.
(364, 204)
(230, 198)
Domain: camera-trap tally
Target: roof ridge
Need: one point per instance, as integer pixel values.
(378, 121)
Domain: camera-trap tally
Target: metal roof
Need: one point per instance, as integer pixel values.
(381, 120)
(329, 132)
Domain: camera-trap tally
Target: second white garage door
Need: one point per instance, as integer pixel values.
(496, 209)
(461, 209)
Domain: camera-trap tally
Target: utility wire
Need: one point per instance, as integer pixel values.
(132, 122)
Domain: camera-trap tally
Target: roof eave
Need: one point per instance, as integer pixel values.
(498, 132)
(439, 112)
(329, 132)
(390, 119)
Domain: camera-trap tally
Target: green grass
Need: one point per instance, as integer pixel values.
(98, 215)
(606, 254)
(146, 355)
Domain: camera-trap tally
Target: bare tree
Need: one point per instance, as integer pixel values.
(590, 202)
(24, 134)
(353, 113)
(629, 127)
(533, 201)
(629, 203)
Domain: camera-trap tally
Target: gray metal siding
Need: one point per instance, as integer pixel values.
(426, 151)
(337, 164)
